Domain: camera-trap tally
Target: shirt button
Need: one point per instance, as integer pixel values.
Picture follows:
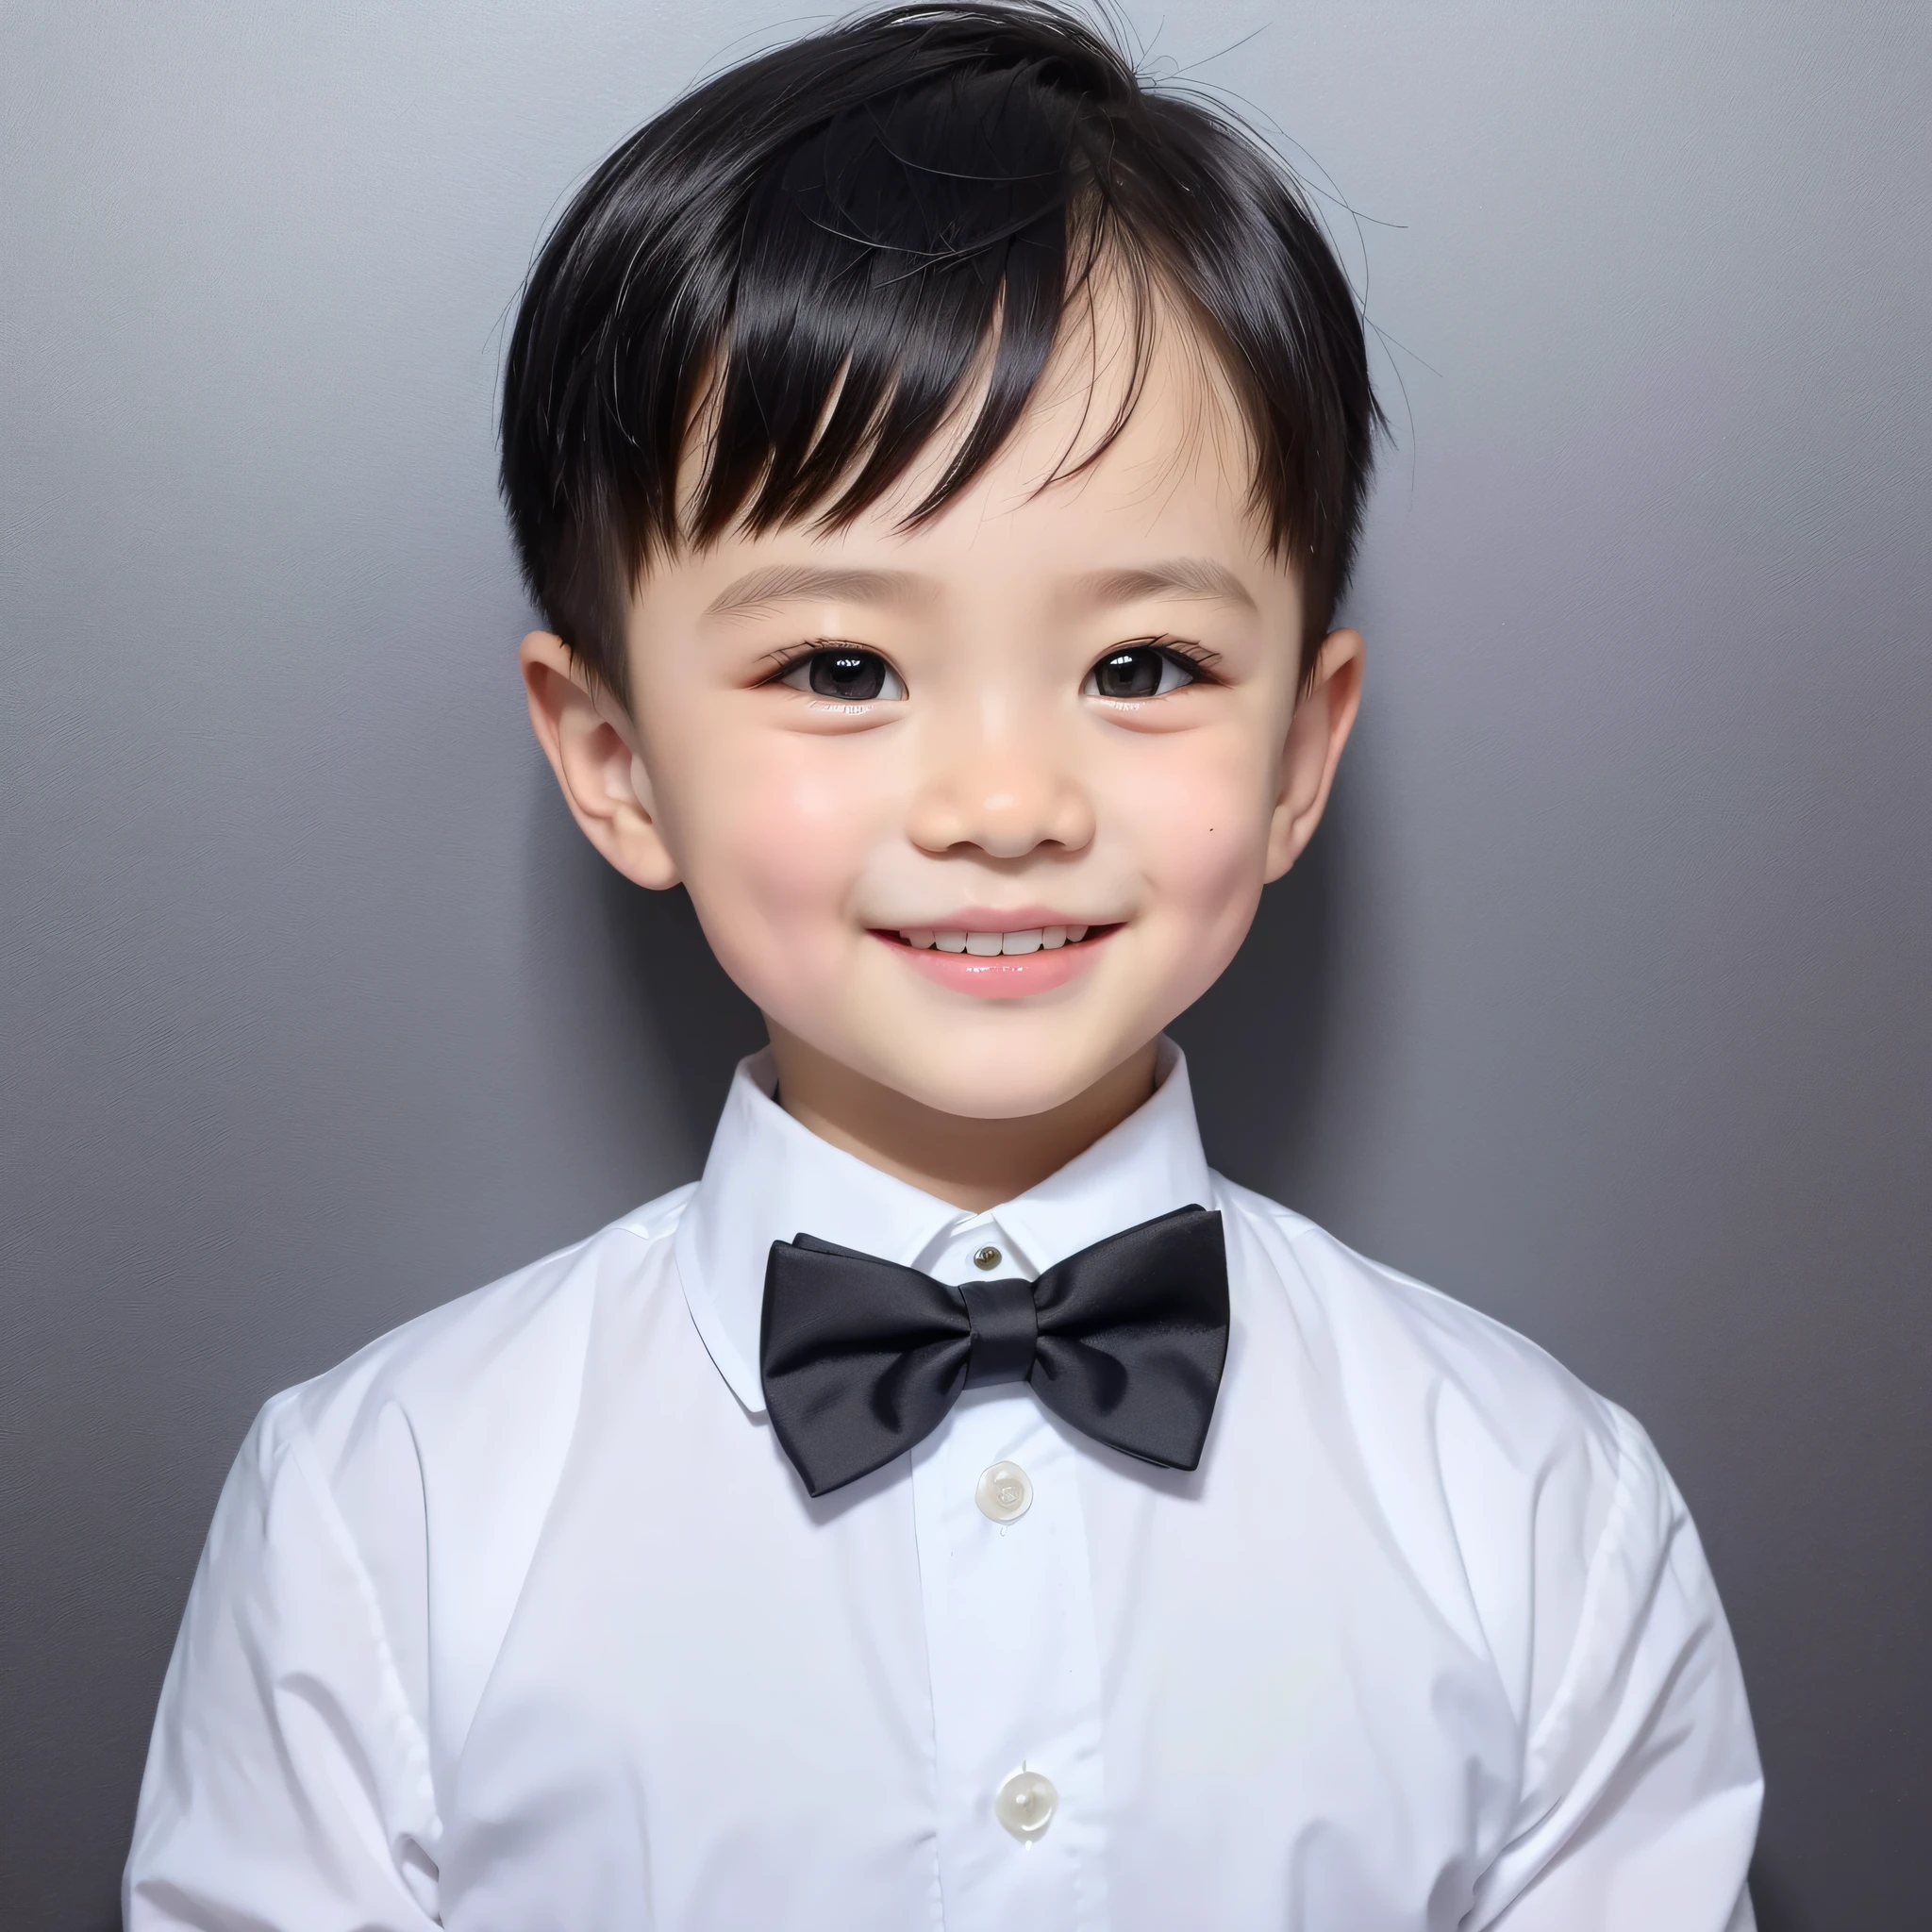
(987, 1258)
(1005, 1491)
(1025, 1805)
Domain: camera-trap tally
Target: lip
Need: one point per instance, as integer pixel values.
(1003, 975)
(998, 918)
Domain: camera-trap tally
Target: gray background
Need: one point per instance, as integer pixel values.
(1601, 1001)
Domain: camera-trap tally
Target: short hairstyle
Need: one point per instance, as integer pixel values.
(828, 245)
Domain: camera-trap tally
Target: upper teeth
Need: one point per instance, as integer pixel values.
(985, 944)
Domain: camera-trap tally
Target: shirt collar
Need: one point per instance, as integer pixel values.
(768, 1178)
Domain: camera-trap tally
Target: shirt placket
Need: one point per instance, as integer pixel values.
(1009, 1626)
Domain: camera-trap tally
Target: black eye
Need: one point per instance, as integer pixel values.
(855, 676)
(846, 674)
(1140, 671)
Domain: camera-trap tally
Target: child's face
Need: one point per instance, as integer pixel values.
(1063, 710)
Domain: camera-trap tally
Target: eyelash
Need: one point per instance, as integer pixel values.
(789, 657)
(1197, 657)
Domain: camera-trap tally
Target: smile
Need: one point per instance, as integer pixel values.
(987, 945)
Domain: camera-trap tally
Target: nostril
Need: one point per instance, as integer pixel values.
(1041, 810)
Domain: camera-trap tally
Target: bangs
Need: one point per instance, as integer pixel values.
(901, 262)
(806, 273)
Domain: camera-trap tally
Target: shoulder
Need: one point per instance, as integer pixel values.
(419, 1472)
(1397, 1346)
(499, 1360)
(1528, 1505)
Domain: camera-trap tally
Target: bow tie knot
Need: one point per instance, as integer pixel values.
(1006, 1332)
(862, 1358)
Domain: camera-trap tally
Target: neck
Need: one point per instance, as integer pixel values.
(975, 1164)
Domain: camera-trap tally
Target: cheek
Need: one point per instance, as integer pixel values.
(1199, 825)
(771, 841)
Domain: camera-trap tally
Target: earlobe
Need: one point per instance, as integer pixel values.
(593, 748)
(1324, 717)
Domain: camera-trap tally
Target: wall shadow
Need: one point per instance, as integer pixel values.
(1777, 1911)
(1258, 1041)
(698, 1021)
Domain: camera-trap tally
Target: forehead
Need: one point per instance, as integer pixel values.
(1132, 437)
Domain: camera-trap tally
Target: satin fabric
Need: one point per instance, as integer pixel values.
(863, 1358)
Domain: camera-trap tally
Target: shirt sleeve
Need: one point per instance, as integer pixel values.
(1641, 1782)
(288, 1781)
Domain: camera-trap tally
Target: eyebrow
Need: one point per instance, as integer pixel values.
(1186, 577)
(787, 583)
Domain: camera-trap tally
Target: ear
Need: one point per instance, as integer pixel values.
(1324, 717)
(593, 747)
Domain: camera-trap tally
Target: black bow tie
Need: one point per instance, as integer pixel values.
(862, 1359)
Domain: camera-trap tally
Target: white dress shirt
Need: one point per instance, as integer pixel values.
(520, 1619)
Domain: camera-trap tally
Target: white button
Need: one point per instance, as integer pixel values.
(1005, 1491)
(1025, 1805)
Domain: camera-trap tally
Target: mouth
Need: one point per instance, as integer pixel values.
(990, 961)
(998, 943)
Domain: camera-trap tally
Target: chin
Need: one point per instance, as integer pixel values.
(1003, 1082)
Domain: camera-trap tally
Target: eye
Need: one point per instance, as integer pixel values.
(845, 673)
(1141, 670)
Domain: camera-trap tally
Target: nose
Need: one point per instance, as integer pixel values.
(1002, 789)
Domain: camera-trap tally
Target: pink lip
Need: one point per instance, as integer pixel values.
(1003, 976)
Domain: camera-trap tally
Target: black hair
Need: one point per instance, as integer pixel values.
(827, 246)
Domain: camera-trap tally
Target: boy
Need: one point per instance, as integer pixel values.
(937, 458)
